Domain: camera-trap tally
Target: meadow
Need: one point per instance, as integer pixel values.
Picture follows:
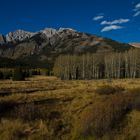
(47, 108)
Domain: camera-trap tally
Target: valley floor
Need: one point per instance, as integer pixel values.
(46, 108)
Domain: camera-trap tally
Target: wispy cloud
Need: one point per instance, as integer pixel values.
(137, 10)
(137, 14)
(117, 21)
(137, 7)
(111, 27)
(98, 17)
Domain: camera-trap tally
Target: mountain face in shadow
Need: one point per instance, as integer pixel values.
(41, 48)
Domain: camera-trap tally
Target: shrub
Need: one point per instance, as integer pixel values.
(7, 74)
(1, 75)
(26, 112)
(18, 75)
(6, 106)
(35, 72)
(45, 72)
(131, 131)
(106, 116)
(110, 115)
(29, 112)
(107, 89)
(26, 73)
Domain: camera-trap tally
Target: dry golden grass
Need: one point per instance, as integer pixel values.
(66, 109)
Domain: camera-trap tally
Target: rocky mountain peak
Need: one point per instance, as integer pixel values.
(44, 46)
(68, 29)
(18, 35)
(2, 39)
(49, 32)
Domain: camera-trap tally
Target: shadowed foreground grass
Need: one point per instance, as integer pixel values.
(46, 108)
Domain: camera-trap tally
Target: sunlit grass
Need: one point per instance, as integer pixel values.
(69, 110)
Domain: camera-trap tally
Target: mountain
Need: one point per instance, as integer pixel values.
(41, 48)
(2, 39)
(137, 45)
(18, 36)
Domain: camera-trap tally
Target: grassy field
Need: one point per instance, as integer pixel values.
(46, 108)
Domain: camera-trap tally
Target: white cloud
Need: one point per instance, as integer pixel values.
(111, 27)
(136, 14)
(137, 7)
(137, 10)
(117, 21)
(98, 18)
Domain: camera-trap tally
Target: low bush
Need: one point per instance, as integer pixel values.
(131, 130)
(1, 75)
(107, 89)
(107, 114)
(7, 74)
(18, 75)
(35, 72)
(27, 112)
(6, 106)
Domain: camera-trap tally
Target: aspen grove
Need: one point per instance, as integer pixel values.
(98, 66)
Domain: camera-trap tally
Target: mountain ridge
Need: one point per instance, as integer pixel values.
(135, 44)
(44, 46)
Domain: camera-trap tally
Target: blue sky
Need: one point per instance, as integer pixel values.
(116, 19)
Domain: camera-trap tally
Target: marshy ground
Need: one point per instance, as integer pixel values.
(47, 108)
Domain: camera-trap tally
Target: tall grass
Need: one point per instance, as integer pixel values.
(70, 110)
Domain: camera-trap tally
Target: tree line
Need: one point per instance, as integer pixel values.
(20, 73)
(98, 66)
